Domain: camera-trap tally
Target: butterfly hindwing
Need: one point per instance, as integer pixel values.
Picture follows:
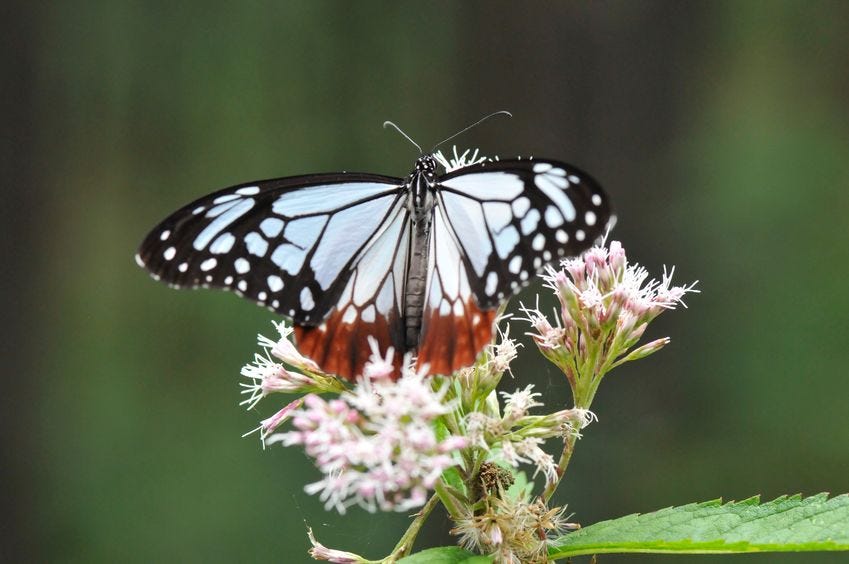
(286, 243)
(369, 306)
(512, 217)
(454, 328)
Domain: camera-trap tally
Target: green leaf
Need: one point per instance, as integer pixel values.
(787, 524)
(445, 555)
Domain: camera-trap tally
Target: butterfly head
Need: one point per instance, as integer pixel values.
(426, 165)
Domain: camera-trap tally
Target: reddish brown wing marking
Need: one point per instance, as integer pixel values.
(341, 347)
(453, 341)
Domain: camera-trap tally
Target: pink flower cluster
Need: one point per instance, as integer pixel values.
(375, 444)
(605, 306)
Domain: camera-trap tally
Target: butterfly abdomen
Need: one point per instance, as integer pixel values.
(414, 294)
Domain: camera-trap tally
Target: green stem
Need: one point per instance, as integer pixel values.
(448, 500)
(405, 544)
(562, 464)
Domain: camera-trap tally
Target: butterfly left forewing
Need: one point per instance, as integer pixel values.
(285, 243)
(512, 217)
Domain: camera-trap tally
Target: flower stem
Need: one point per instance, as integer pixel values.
(562, 464)
(405, 544)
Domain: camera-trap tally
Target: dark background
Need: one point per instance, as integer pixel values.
(721, 130)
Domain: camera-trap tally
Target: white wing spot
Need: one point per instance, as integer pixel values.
(275, 304)
(165, 235)
(368, 314)
(350, 314)
(289, 258)
(169, 253)
(307, 300)
(209, 277)
(589, 218)
(491, 283)
(553, 218)
(523, 275)
(529, 222)
(275, 283)
(256, 244)
(562, 236)
(184, 266)
(220, 208)
(242, 266)
(225, 198)
(539, 242)
(506, 241)
(271, 226)
(546, 255)
(580, 235)
(139, 260)
(222, 244)
(261, 296)
(542, 167)
(229, 280)
(515, 264)
(248, 191)
(596, 200)
(221, 222)
(574, 179)
(458, 308)
(485, 185)
(208, 264)
(242, 285)
(537, 262)
(198, 210)
(521, 206)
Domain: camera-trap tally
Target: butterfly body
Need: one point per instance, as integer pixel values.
(420, 264)
(421, 185)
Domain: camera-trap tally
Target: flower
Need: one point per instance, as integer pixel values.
(459, 161)
(268, 376)
(511, 529)
(605, 306)
(376, 444)
(516, 437)
(285, 350)
(321, 552)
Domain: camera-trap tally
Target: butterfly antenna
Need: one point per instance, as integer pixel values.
(468, 127)
(398, 129)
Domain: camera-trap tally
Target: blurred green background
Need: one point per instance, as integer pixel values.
(721, 130)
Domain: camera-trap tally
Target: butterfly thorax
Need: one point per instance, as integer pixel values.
(420, 185)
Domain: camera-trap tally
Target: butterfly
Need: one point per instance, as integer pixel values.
(420, 264)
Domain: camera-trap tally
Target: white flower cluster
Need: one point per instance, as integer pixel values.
(519, 436)
(376, 444)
